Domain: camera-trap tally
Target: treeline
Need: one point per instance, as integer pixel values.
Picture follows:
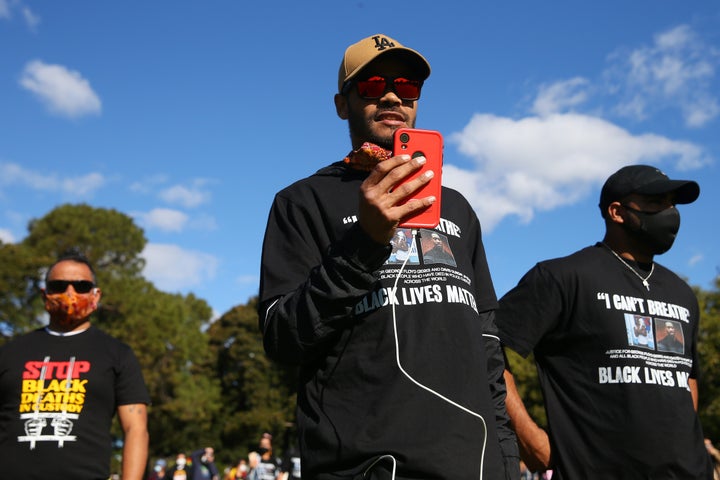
(210, 382)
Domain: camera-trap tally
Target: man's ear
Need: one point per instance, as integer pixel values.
(614, 212)
(341, 106)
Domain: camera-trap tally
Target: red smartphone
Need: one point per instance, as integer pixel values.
(427, 143)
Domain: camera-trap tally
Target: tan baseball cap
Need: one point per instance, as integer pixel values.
(359, 54)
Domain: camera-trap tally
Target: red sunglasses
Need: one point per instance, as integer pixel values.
(376, 86)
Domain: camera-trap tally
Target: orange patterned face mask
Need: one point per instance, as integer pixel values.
(69, 309)
(367, 156)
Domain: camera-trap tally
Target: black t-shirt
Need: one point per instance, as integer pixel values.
(58, 395)
(268, 469)
(424, 400)
(617, 406)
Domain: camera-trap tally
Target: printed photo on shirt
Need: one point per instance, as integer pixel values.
(403, 248)
(639, 331)
(670, 337)
(435, 248)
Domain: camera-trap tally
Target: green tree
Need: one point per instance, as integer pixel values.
(20, 277)
(165, 331)
(709, 353)
(109, 238)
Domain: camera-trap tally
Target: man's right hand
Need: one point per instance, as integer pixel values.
(381, 204)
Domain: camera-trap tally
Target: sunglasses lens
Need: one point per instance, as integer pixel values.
(56, 286)
(373, 87)
(407, 89)
(60, 286)
(83, 286)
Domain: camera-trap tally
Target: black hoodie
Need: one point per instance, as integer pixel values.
(404, 376)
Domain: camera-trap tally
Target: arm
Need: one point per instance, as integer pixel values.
(692, 384)
(133, 420)
(299, 324)
(714, 453)
(533, 441)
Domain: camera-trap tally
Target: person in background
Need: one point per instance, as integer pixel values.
(203, 465)
(159, 470)
(253, 462)
(614, 409)
(61, 386)
(239, 471)
(401, 372)
(268, 467)
(180, 470)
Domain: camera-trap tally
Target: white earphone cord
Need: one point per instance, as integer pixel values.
(426, 388)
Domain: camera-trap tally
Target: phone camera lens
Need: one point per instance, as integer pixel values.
(404, 137)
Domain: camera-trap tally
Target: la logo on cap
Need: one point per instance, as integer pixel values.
(381, 43)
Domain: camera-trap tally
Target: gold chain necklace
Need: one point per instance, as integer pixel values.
(644, 280)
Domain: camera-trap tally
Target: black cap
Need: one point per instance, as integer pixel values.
(645, 180)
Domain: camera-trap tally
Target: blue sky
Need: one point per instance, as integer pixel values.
(189, 116)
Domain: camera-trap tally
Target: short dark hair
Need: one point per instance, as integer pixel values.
(73, 254)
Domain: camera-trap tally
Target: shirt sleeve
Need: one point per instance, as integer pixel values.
(130, 386)
(529, 310)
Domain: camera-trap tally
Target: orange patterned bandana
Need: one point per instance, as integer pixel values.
(69, 309)
(367, 156)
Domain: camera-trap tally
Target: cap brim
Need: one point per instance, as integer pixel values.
(686, 191)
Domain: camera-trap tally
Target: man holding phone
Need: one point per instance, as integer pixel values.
(400, 368)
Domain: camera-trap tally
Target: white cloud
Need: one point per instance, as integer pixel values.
(6, 236)
(172, 268)
(64, 92)
(677, 71)
(695, 259)
(6, 12)
(148, 184)
(560, 154)
(82, 186)
(5, 9)
(188, 197)
(540, 163)
(164, 219)
(247, 279)
(560, 96)
(31, 19)
(12, 174)
(204, 222)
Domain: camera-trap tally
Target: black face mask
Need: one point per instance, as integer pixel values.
(657, 229)
(262, 451)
